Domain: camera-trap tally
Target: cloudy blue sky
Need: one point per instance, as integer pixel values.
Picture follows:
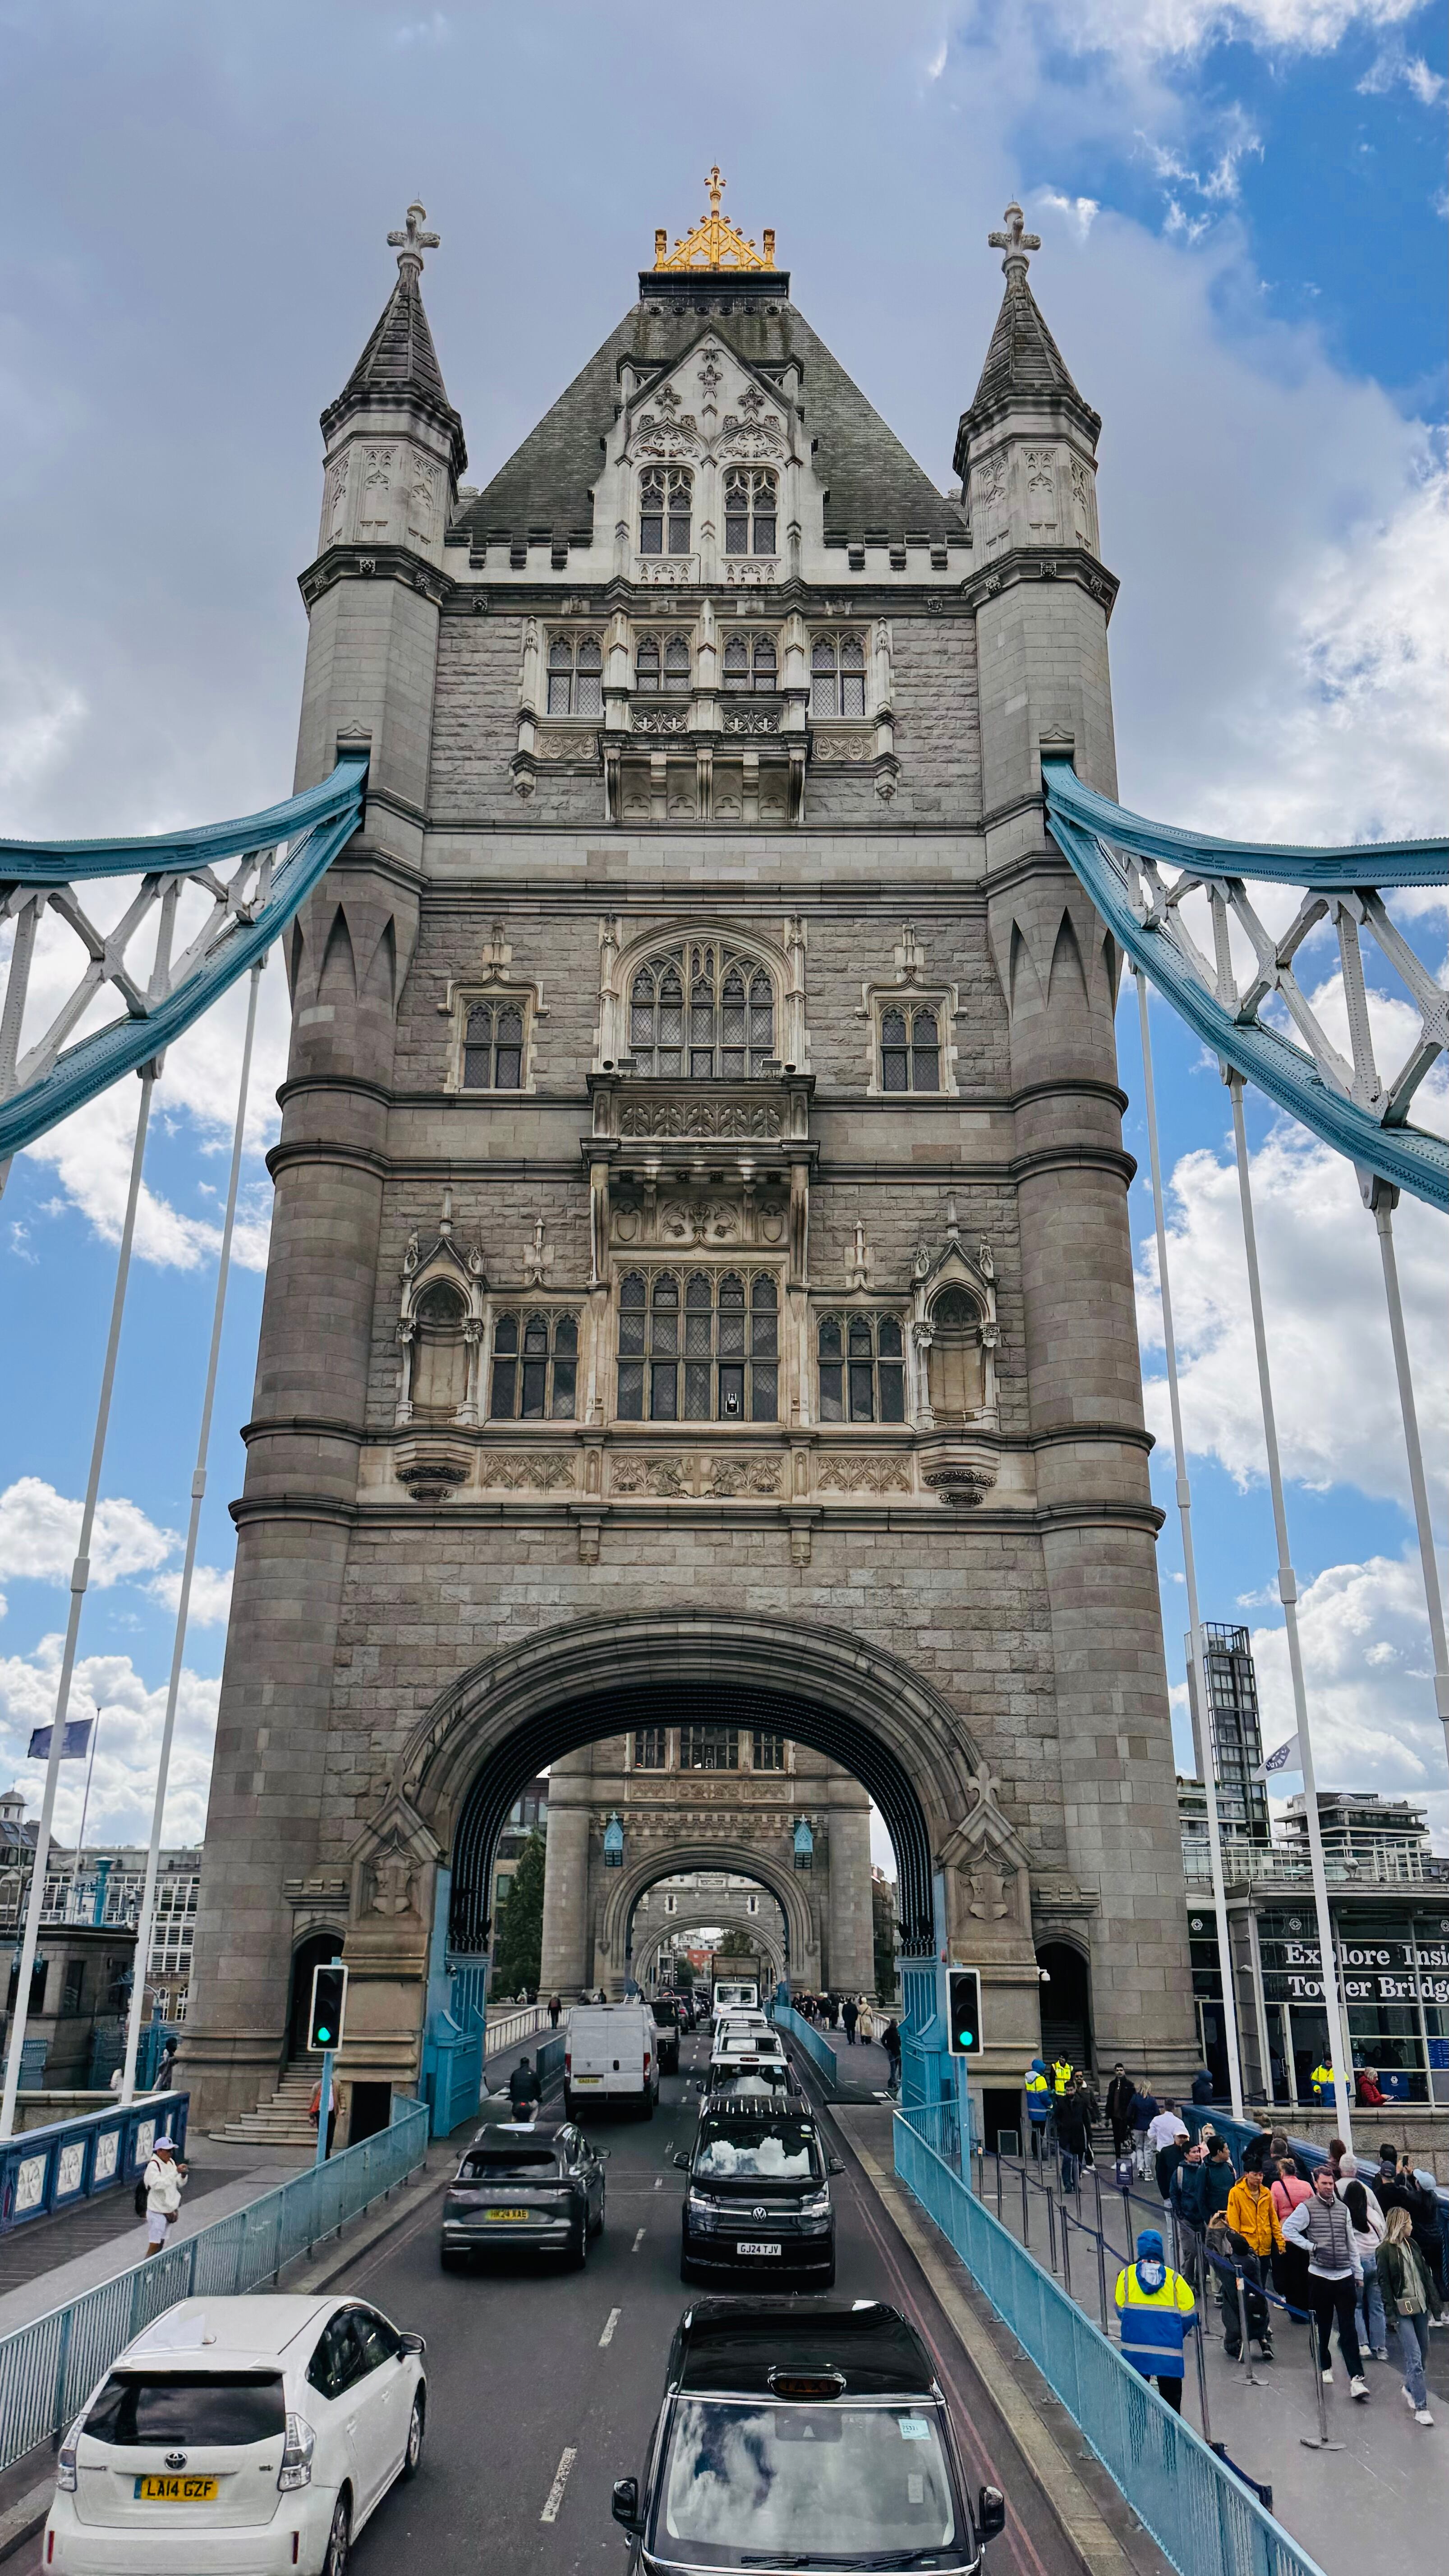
(1243, 211)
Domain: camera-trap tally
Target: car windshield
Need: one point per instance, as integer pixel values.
(758, 2150)
(760, 2083)
(816, 2485)
(191, 2406)
(494, 2164)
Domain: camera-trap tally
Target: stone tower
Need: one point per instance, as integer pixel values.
(700, 1287)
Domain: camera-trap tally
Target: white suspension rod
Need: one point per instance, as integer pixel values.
(1381, 1204)
(80, 1576)
(146, 1918)
(1337, 2018)
(1189, 1558)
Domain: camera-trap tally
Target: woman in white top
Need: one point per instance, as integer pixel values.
(1366, 2218)
(164, 2180)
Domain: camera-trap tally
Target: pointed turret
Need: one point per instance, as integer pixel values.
(394, 444)
(400, 363)
(1019, 494)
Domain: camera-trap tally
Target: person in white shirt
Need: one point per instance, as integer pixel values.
(165, 2181)
(1167, 2143)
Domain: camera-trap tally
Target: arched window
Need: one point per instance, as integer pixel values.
(955, 1368)
(440, 1354)
(676, 662)
(671, 664)
(749, 499)
(715, 1359)
(731, 1015)
(493, 1047)
(837, 676)
(910, 1048)
(575, 676)
(535, 1366)
(664, 500)
(862, 1368)
(646, 663)
(750, 663)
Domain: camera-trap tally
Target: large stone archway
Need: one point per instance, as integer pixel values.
(646, 1954)
(790, 1892)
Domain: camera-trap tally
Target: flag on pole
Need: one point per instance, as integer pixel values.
(75, 1747)
(1285, 1759)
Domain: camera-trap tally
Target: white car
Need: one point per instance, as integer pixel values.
(245, 2435)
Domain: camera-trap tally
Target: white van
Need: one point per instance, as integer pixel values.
(611, 2054)
(736, 1990)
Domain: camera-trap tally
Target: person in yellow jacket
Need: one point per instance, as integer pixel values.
(1322, 2082)
(1036, 2085)
(1062, 2073)
(1253, 2215)
(1156, 2312)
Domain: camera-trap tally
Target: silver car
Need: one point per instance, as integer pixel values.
(537, 2184)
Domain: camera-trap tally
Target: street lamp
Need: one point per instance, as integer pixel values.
(804, 1845)
(613, 1844)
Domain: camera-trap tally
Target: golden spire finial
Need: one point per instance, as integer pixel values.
(714, 242)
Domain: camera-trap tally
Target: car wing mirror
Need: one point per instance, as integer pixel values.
(413, 2343)
(681, 2160)
(990, 2511)
(834, 2165)
(624, 2504)
(602, 2155)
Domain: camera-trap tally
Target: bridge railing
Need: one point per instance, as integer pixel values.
(1203, 2519)
(785, 2017)
(49, 2367)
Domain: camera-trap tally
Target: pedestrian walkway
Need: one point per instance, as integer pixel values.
(71, 2262)
(1363, 2504)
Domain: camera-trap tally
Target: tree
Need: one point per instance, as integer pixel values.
(734, 1945)
(518, 1933)
(883, 1925)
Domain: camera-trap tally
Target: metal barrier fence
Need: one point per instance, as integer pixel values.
(1203, 2519)
(48, 2368)
(786, 2018)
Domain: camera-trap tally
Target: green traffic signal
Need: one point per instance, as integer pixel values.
(965, 2011)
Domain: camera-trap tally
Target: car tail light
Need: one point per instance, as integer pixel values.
(65, 2476)
(49, 2548)
(296, 2468)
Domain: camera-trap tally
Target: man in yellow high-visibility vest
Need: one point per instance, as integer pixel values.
(1322, 2082)
(1036, 2085)
(1062, 2072)
(1156, 2311)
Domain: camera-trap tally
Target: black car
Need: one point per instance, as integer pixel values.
(666, 2022)
(538, 2185)
(759, 2193)
(802, 2433)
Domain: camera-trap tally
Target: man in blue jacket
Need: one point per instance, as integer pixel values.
(1156, 2311)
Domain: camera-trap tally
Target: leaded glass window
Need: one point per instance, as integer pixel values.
(575, 676)
(749, 499)
(704, 1350)
(750, 662)
(910, 1048)
(861, 1361)
(535, 1366)
(667, 663)
(769, 1751)
(837, 676)
(493, 1047)
(709, 1748)
(664, 505)
(702, 1012)
(651, 1748)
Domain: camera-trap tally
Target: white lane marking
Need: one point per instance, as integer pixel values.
(608, 2334)
(638, 2241)
(659, 2182)
(556, 2491)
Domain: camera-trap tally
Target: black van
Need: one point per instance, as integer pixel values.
(758, 2199)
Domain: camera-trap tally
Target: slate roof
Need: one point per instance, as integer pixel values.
(1022, 359)
(872, 483)
(400, 363)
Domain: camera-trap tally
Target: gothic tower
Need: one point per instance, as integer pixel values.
(700, 1285)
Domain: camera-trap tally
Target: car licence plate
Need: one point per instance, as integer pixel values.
(588, 2079)
(508, 2213)
(756, 2249)
(175, 2490)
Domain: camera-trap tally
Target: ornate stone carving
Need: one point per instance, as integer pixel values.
(336, 497)
(666, 572)
(699, 1221)
(852, 1473)
(843, 746)
(664, 1478)
(566, 746)
(961, 1481)
(757, 1122)
(751, 720)
(659, 720)
(542, 1470)
(750, 572)
(729, 1477)
(991, 481)
(431, 1469)
(660, 434)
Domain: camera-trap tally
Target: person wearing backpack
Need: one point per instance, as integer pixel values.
(164, 2181)
(1410, 2299)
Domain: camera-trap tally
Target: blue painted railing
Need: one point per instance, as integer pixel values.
(1203, 2519)
(786, 2018)
(43, 2170)
(48, 2368)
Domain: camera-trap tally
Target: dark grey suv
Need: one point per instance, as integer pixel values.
(538, 2185)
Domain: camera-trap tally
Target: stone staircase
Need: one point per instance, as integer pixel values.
(281, 2120)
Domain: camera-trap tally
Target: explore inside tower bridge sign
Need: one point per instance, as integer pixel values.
(1374, 1972)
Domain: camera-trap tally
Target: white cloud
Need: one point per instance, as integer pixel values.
(40, 1530)
(1080, 212)
(1334, 1389)
(127, 1747)
(1393, 64)
(1182, 28)
(40, 715)
(210, 1603)
(1369, 1681)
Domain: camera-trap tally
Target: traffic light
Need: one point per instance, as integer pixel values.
(329, 2006)
(965, 2009)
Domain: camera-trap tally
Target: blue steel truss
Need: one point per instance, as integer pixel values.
(1119, 859)
(280, 854)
